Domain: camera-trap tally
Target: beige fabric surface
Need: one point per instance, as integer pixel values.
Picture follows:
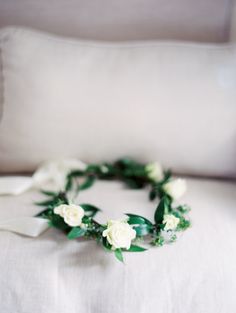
(53, 275)
(174, 102)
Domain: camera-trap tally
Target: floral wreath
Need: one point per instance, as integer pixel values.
(126, 234)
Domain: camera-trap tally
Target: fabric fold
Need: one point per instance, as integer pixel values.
(27, 226)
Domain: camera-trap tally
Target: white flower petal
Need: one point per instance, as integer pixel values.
(170, 221)
(175, 188)
(154, 171)
(119, 234)
(72, 214)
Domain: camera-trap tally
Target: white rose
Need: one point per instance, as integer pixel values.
(52, 174)
(170, 222)
(154, 171)
(175, 188)
(119, 234)
(72, 214)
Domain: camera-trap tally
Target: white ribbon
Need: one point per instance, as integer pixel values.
(50, 176)
(15, 185)
(28, 226)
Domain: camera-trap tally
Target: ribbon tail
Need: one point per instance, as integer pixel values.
(27, 226)
(15, 185)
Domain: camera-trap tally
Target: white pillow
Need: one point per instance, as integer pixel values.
(171, 102)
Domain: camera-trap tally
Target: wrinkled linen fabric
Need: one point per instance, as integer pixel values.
(52, 274)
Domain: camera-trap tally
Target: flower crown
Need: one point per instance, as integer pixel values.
(116, 235)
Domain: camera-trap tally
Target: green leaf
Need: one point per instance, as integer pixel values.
(134, 248)
(106, 244)
(152, 194)
(161, 209)
(88, 183)
(76, 232)
(58, 222)
(47, 203)
(167, 175)
(124, 162)
(134, 183)
(90, 210)
(45, 213)
(144, 226)
(119, 255)
(183, 209)
(93, 169)
(76, 173)
(183, 224)
(48, 193)
(158, 191)
(137, 219)
(71, 176)
(62, 198)
(69, 183)
(158, 241)
(143, 229)
(109, 172)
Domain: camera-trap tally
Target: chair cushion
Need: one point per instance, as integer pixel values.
(195, 273)
(172, 102)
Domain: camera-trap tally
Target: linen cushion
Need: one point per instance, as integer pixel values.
(171, 102)
(195, 273)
